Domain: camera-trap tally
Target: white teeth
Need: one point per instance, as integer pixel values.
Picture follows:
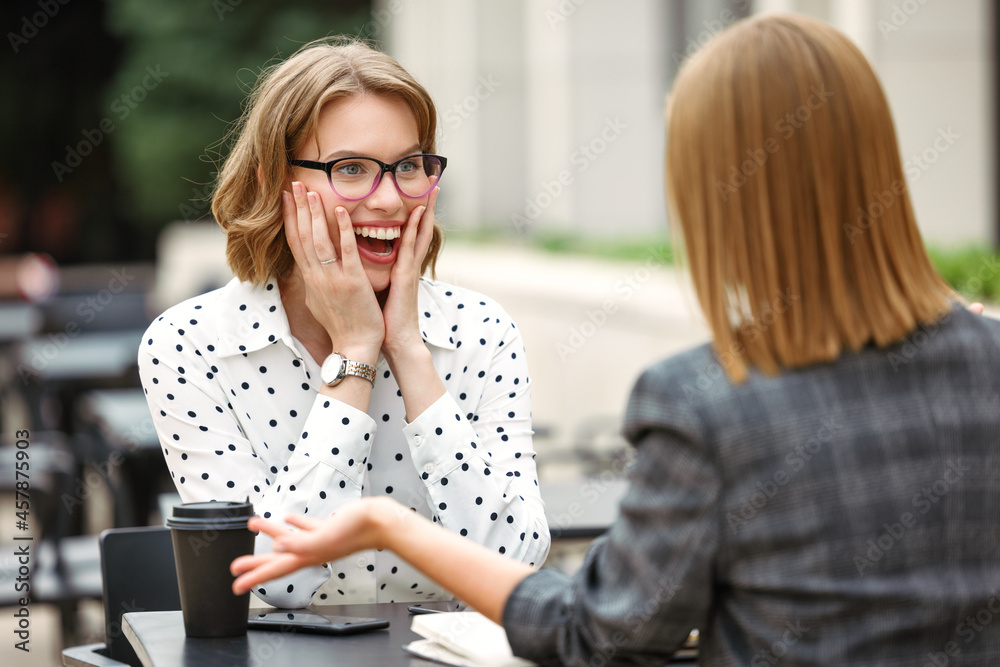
(387, 233)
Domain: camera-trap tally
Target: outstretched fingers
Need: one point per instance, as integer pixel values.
(261, 525)
(256, 569)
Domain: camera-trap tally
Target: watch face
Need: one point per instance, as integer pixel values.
(332, 370)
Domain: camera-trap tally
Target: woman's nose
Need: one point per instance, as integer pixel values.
(385, 197)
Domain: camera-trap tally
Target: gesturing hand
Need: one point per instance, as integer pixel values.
(337, 293)
(352, 528)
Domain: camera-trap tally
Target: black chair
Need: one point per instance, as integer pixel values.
(137, 565)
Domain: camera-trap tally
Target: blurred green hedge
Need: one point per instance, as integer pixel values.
(973, 271)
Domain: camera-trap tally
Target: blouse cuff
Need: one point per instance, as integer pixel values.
(440, 439)
(339, 435)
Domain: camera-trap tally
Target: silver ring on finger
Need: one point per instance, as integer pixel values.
(328, 261)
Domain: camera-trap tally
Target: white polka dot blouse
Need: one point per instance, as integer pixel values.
(235, 402)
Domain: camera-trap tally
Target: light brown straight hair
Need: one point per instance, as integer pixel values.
(784, 176)
(281, 114)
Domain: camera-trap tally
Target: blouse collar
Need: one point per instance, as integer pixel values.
(253, 317)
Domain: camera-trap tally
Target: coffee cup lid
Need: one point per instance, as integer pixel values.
(211, 514)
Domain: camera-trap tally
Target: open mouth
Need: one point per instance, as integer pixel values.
(377, 243)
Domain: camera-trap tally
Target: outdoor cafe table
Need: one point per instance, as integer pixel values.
(158, 639)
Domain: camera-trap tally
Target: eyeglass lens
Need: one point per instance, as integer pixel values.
(355, 178)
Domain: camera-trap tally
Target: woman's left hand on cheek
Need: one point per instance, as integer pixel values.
(402, 328)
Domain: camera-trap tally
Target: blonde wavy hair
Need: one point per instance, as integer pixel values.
(281, 114)
(784, 177)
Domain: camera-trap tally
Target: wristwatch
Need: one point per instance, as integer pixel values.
(336, 368)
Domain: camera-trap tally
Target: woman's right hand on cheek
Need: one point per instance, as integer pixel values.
(338, 294)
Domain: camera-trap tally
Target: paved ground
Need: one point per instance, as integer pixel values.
(589, 326)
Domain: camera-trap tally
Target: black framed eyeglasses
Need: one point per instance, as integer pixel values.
(354, 178)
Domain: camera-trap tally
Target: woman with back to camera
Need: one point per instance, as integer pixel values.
(830, 498)
(328, 369)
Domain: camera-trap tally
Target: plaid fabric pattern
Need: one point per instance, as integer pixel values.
(843, 514)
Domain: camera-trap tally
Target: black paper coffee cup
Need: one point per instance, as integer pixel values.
(207, 537)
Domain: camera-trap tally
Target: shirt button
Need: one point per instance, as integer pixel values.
(362, 562)
(417, 441)
(429, 467)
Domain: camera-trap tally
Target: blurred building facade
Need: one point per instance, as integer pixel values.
(551, 111)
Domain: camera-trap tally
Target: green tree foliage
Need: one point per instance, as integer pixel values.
(187, 67)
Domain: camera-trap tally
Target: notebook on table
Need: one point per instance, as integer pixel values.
(463, 639)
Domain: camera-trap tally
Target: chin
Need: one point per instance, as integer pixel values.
(379, 280)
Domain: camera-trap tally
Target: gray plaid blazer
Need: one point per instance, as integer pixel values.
(843, 514)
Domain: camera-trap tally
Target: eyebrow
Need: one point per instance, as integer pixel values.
(412, 150)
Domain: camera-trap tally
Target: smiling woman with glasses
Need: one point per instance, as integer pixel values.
(331, 368)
